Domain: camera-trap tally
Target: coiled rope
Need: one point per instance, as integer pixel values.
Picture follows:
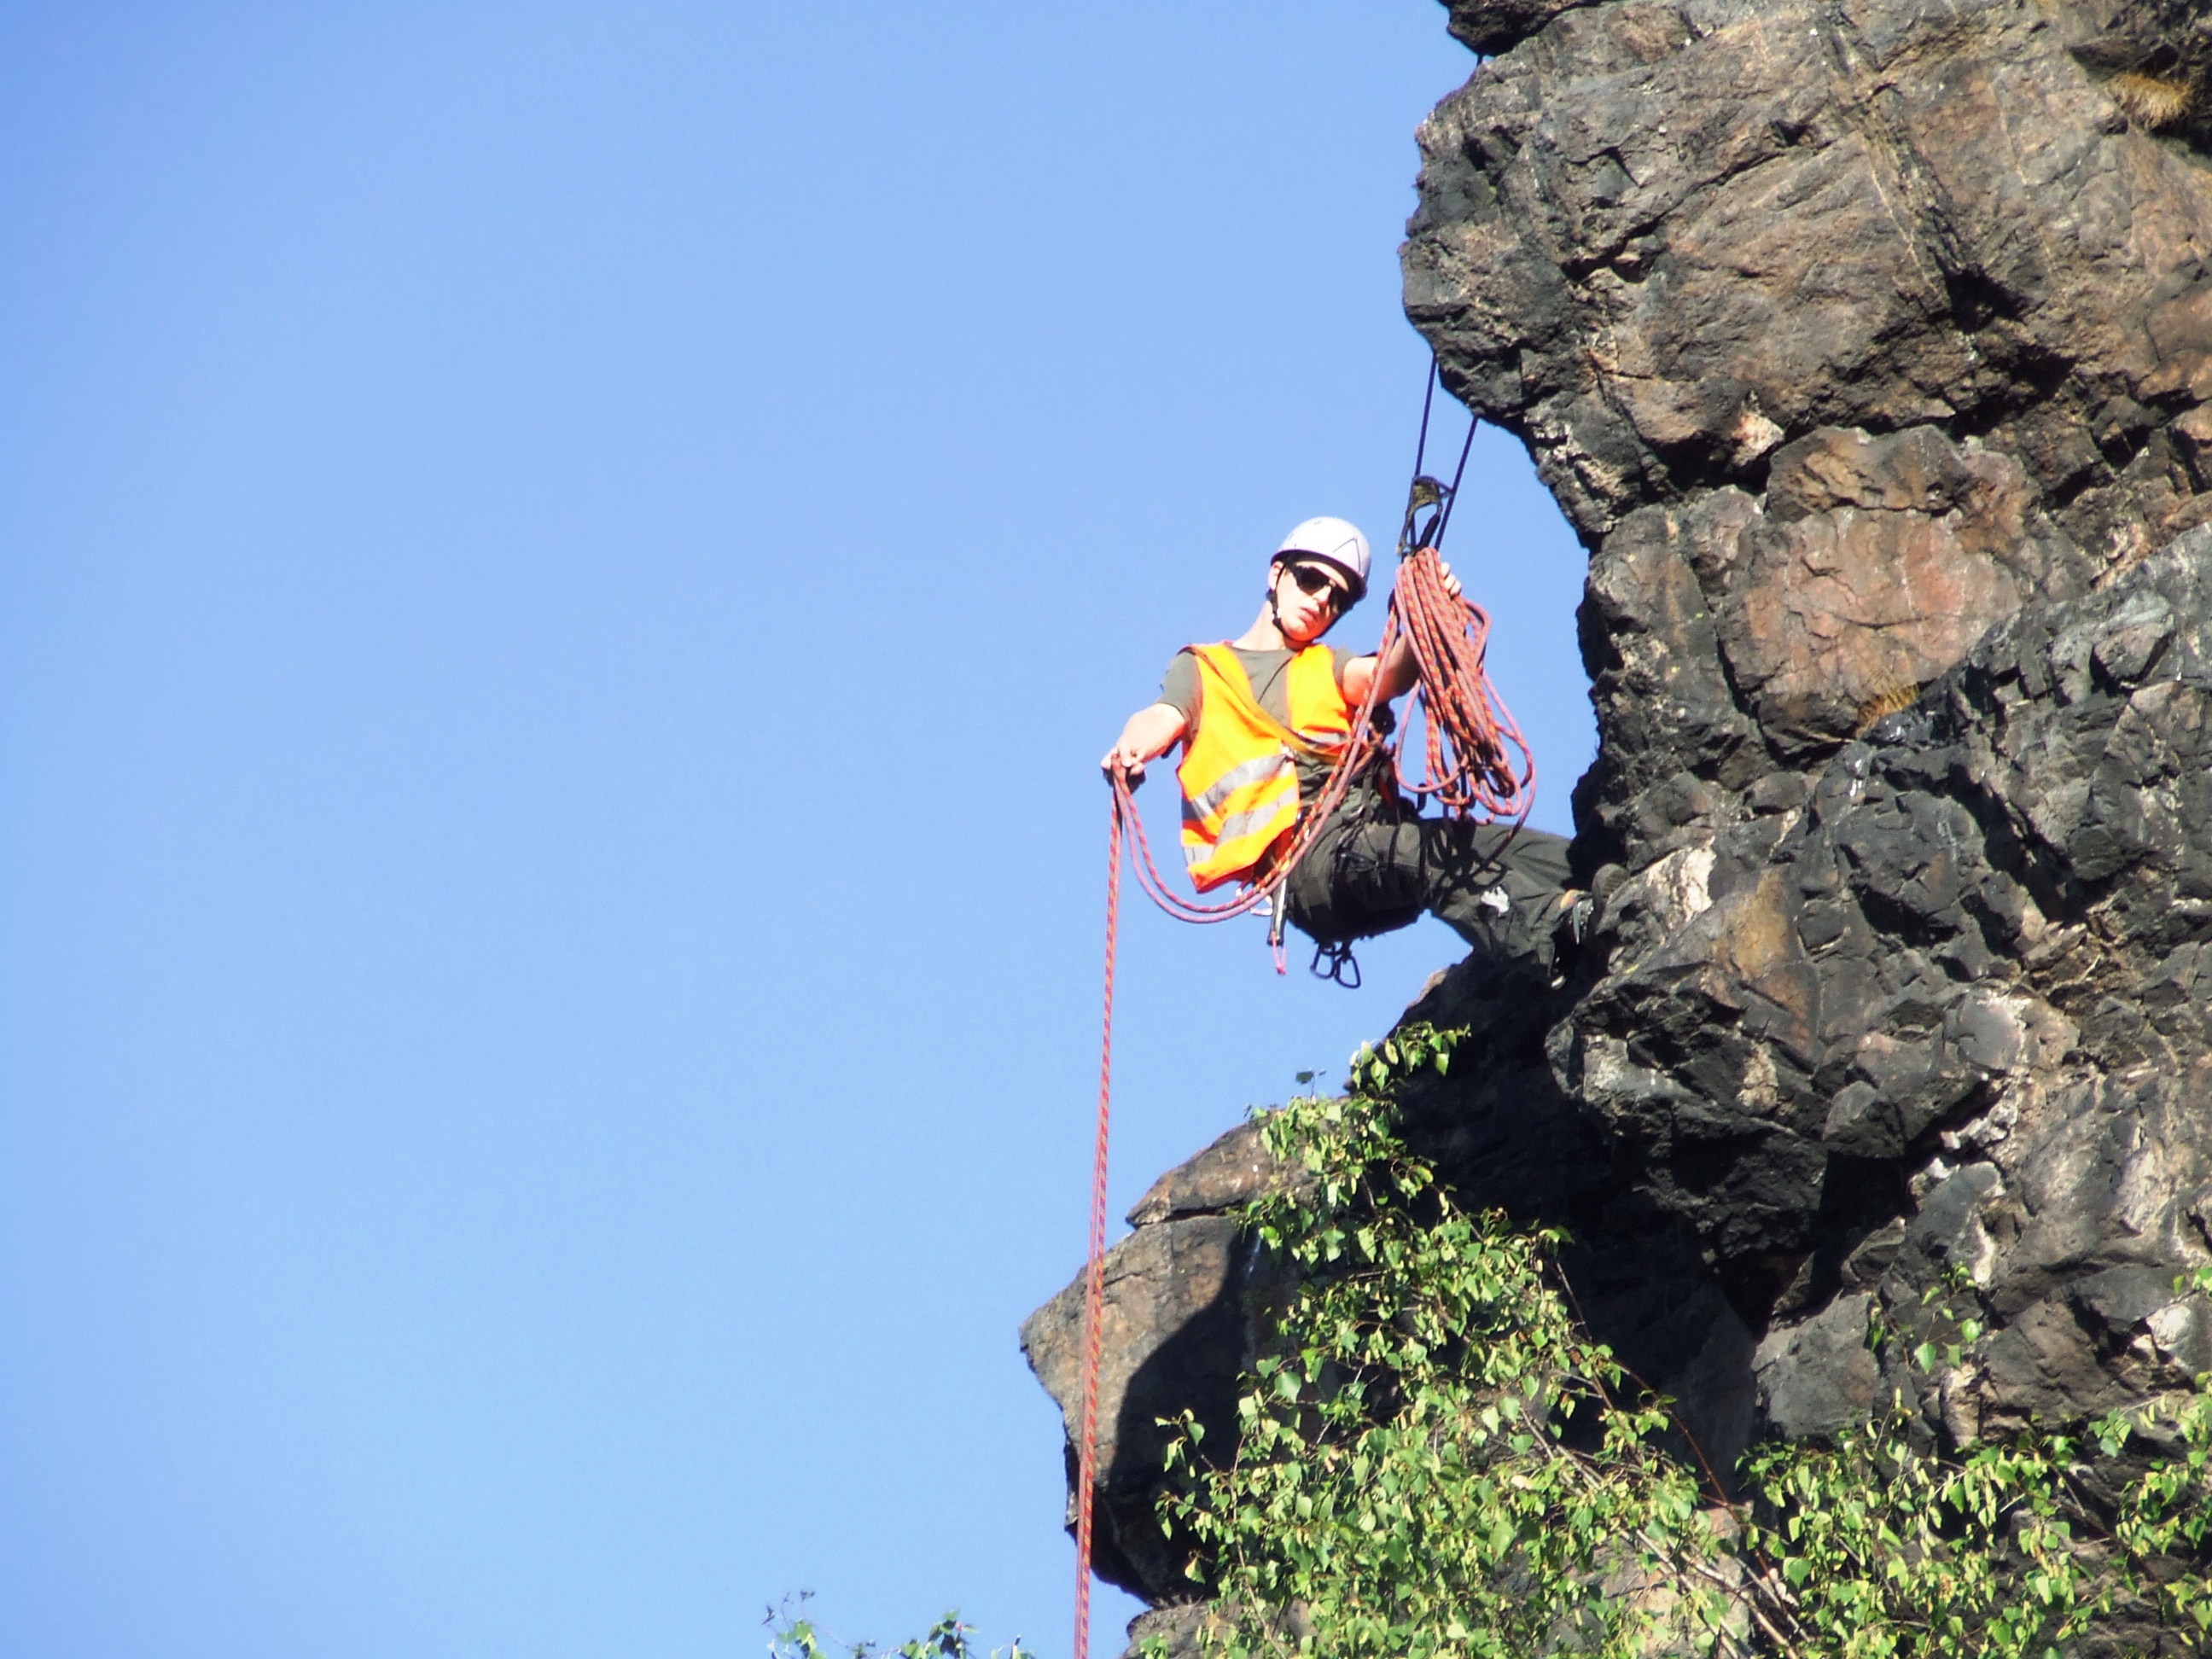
(1475, 764)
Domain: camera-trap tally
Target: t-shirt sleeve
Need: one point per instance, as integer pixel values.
(1179, 685)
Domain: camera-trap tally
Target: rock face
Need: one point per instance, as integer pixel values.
(1660, 240)
(1952, 1020)
(1867, 344)
(1177, 1332)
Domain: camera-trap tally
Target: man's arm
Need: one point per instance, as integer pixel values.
(1399, 671)
(1149, 734)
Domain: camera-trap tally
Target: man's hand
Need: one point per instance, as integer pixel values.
(1149, 734)
(1401, 670)
(1123, 758)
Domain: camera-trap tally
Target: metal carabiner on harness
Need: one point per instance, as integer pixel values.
(1343, 967)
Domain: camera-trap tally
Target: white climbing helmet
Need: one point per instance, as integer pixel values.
(1332, 542)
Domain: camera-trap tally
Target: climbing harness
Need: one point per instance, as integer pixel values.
(1475, 764)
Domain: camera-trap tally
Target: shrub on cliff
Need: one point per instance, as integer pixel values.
(1434, 1459)
(794, 1636)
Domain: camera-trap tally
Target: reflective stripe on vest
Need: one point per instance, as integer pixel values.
(1240, 782)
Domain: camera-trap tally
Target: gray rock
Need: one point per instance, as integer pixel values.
(1948, 1236)
(1660, 241)
(1232, 1171)
(1819, 1376)
(2042, 1368)
(1175, 1333)
(1178, 1626)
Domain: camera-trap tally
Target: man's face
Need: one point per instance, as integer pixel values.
(1309, 598)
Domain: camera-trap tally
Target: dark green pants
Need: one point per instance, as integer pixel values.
(1374, 870)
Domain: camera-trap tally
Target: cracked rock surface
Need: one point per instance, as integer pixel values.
(1867, 345)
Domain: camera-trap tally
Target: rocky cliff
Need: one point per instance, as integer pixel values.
(1867, 344)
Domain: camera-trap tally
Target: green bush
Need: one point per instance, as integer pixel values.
(792, 1636)
(1435, 1459)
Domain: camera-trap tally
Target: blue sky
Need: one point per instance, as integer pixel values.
(566, 569)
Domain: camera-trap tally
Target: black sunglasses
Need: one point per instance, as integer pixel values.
(1312, 579)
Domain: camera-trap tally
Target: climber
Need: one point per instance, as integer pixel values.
(1260, 718)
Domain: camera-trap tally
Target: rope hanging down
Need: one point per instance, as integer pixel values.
(1094, 1278)
(1475, 764)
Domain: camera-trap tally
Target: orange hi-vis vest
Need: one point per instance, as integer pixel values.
(1239, 776)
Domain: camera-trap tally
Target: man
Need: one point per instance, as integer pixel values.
(1260, 719)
